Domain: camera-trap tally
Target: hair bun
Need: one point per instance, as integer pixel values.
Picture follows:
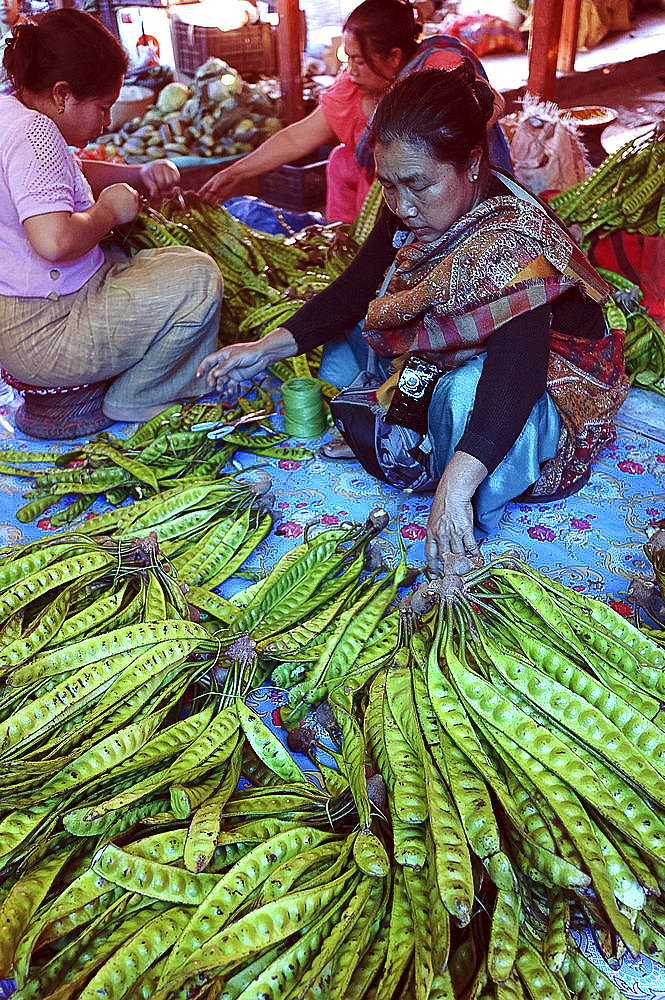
(24, 30)
(485, 97)
(466, 72)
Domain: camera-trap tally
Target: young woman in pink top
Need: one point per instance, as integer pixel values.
(381, 40)
(106, 339)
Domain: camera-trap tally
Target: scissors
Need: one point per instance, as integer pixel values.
(220, 428)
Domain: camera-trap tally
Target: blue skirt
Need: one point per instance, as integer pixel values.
(448, 414)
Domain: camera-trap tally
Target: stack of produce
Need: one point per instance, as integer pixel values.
(266, 276)
(100, 756)
(171, 448)
(283, 898)
(499, 779)
(624, 193)
(216, 114)
(500, 786)
(520, 735)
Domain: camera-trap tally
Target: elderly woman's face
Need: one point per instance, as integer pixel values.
(427, 195)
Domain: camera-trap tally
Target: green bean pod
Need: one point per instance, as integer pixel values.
(229, 892)
(401, 941)
(206, 822)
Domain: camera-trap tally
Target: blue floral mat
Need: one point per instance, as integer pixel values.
(592, 541)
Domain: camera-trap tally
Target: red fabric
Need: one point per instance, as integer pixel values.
(341, 104)
(588, 383)
(483, 33)
(640, 259)
(346, 184)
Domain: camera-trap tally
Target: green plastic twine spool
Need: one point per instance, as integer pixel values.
(304, 415)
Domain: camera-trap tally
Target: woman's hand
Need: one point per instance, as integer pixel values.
(285, 146)
(221, 185)
(159, 177)
(450, 522)
(121, 201)
(238, 362)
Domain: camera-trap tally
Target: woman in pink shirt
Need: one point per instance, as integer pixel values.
(381, 40)
(106, 339)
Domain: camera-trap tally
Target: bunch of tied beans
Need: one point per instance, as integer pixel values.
(625, 192)
(266, 276)
(496, 775)
(644, 339)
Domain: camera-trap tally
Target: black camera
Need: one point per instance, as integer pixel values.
(412, 395)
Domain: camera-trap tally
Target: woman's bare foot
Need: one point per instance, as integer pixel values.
(337, 448)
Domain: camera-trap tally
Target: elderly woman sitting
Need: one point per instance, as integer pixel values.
(482, 369)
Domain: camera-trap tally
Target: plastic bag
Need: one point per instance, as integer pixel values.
(266, 218)
(545, 150)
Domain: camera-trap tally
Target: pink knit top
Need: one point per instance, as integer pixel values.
(38, 174)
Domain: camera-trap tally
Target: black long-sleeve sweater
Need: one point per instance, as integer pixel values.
(515, 371)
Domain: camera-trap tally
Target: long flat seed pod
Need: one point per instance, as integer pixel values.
(229, 892)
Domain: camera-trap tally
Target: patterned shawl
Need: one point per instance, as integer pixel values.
(504, 258)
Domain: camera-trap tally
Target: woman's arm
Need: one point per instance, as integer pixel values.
(329, 314)
(238, 362)
(336, 309)
(513, 379)
(290, 143)
(157, 177)
(65, 236)
(450, 521)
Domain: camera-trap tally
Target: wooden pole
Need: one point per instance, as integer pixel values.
(570, 25)
(289, 58)
(544, 48)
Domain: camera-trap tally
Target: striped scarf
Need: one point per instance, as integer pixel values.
(504, 258)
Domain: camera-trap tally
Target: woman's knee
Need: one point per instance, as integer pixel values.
(205, 274)
(203, 299)
(191, 271)
(455, 392)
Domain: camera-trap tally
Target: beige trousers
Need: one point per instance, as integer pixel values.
(146, 322)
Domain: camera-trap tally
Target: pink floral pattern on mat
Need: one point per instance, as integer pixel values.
(591, 541)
